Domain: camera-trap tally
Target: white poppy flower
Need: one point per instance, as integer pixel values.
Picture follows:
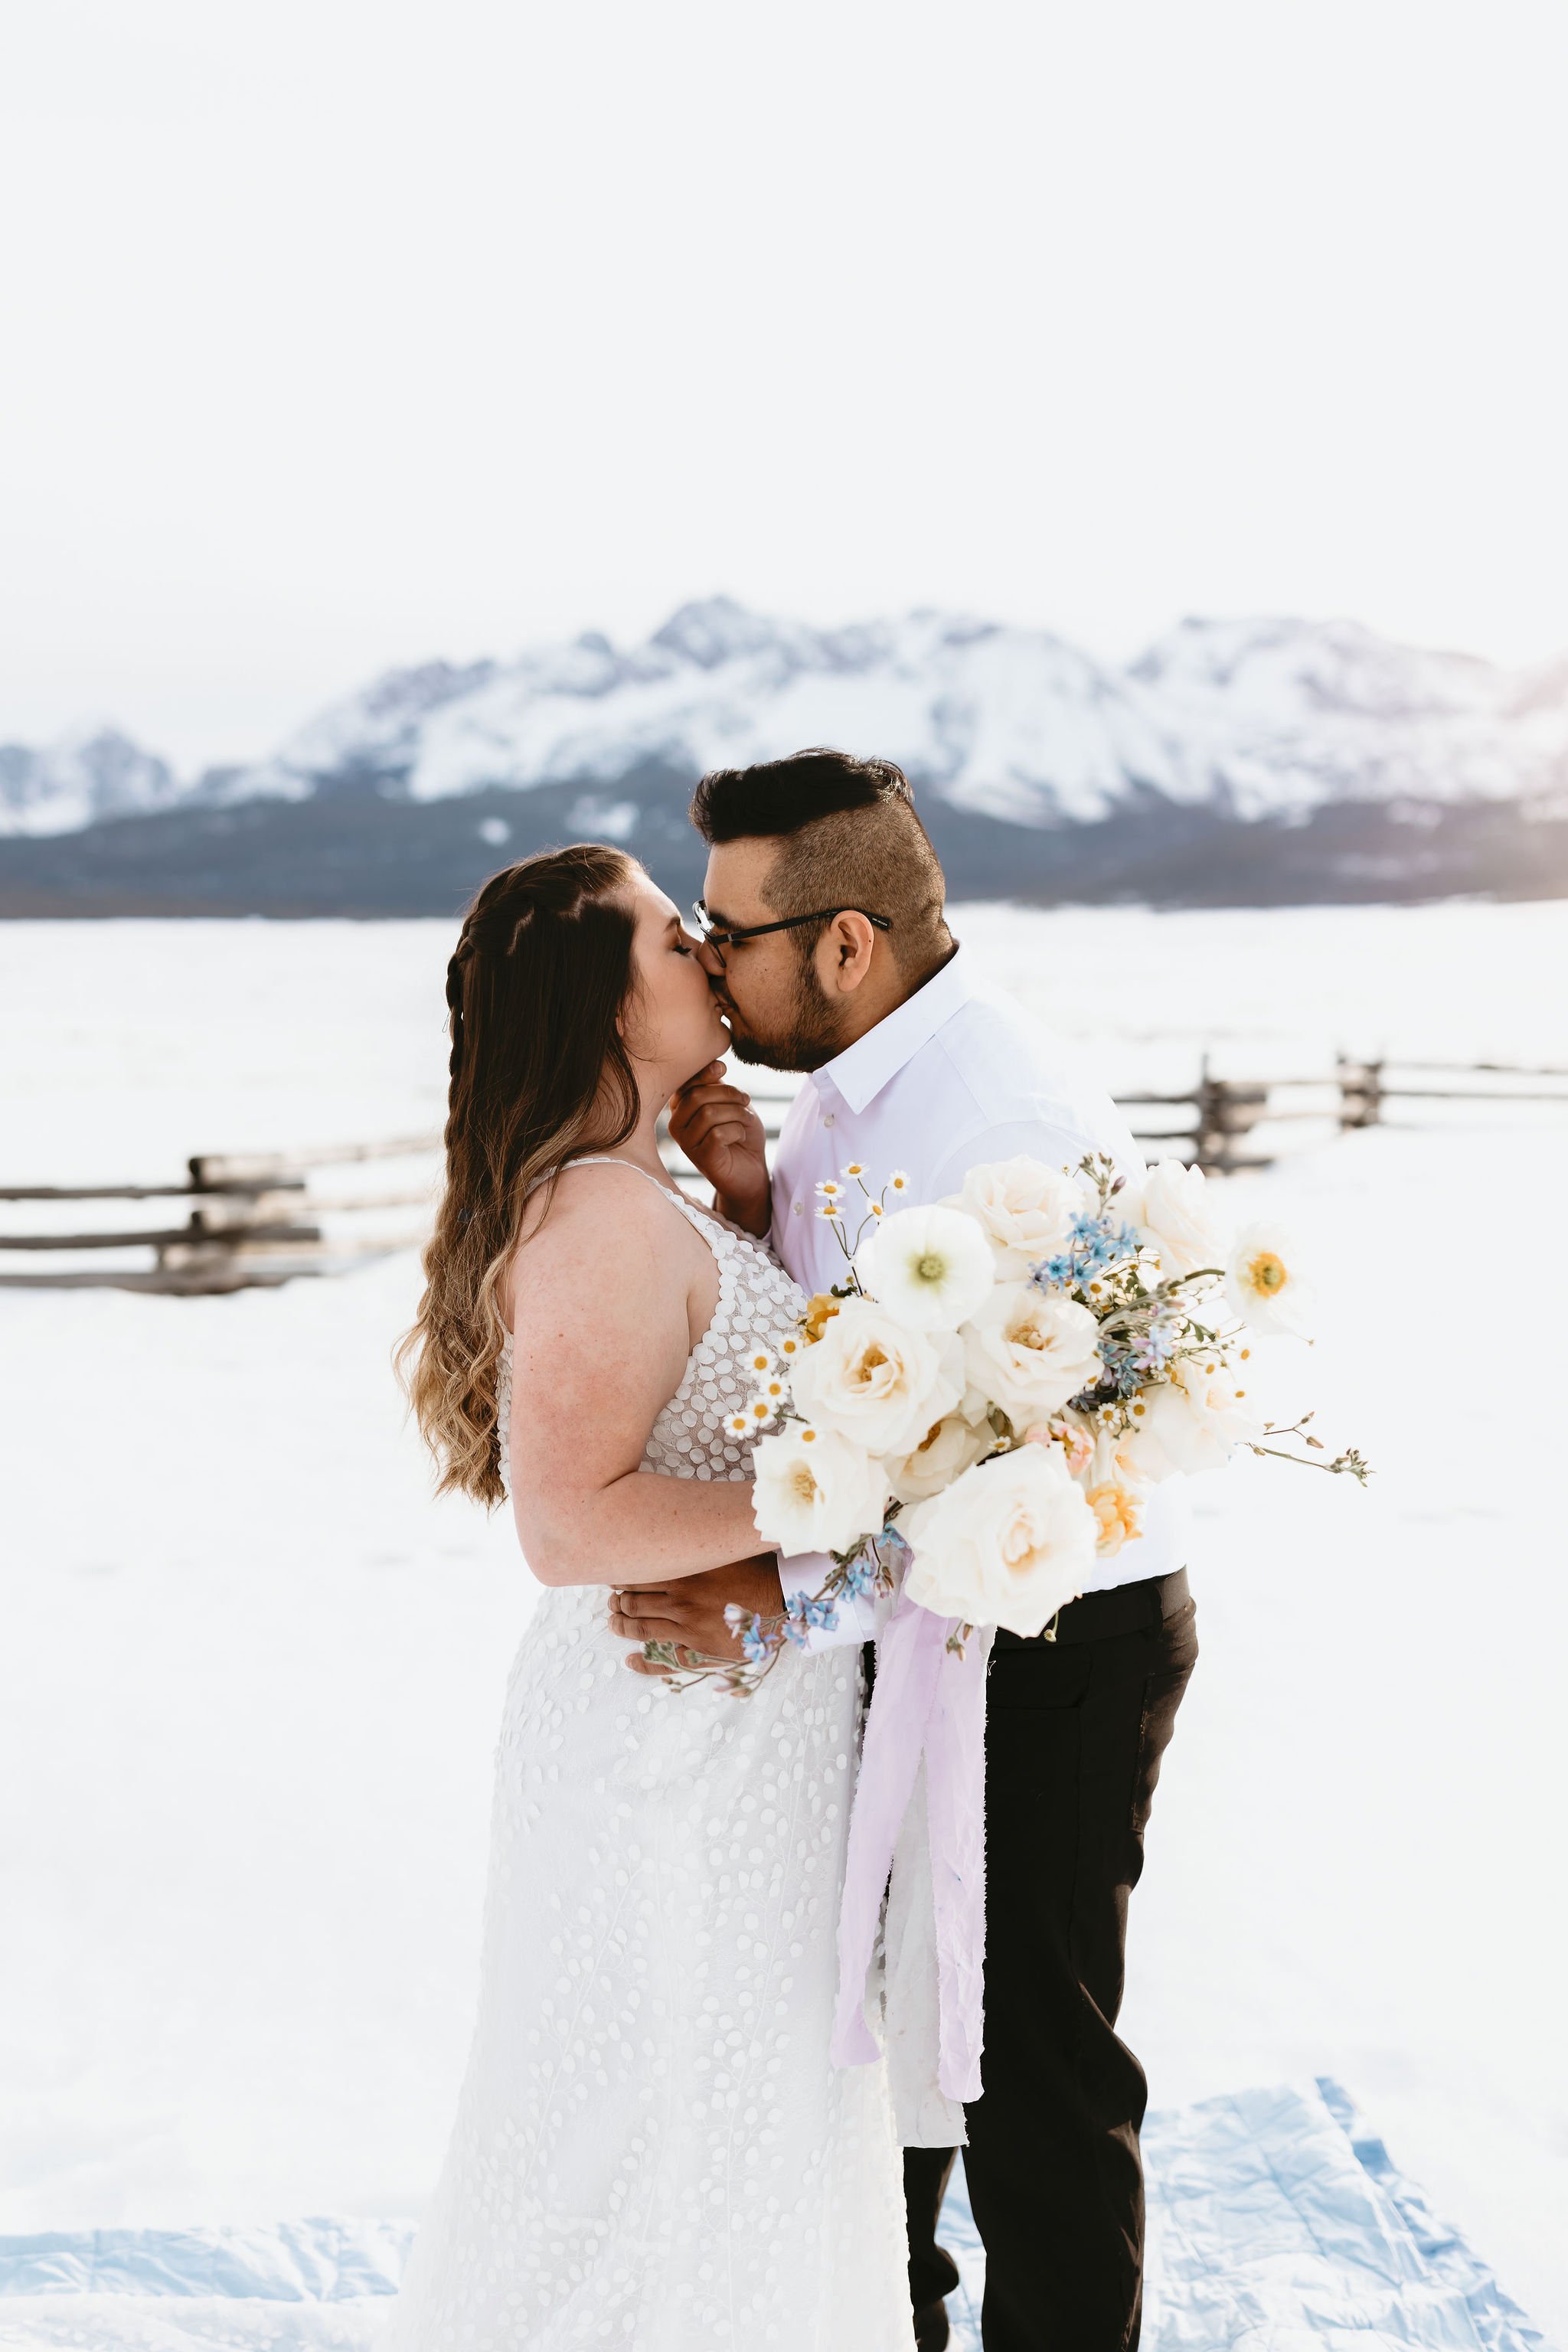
(875, 1381)
(931, 1268)
(947, 1449)
(1024, 1209)
(1029, 1350)
(815, 1491)
(1194, 1421)
(1265, 1285)
(1178, 1215)
(1009, 1543)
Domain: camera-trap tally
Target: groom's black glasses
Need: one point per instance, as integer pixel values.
(714, 938)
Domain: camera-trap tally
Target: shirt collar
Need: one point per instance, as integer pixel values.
(858, 1075)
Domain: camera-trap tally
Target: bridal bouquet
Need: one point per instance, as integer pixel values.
(997, 1382)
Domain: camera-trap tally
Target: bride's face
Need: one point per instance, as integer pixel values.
(673, 1020)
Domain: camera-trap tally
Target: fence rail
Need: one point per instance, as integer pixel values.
(256, 1221)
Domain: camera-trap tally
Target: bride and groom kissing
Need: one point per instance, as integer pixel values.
(653, 2146)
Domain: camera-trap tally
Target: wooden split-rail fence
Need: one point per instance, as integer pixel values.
(253, 1218)
(252, 1221)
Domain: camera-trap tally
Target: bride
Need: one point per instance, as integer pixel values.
(652, 2148)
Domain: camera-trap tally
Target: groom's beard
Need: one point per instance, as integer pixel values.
(808, 1037)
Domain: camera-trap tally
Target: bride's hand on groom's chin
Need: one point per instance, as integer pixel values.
(714, 1124)
(691, 1612)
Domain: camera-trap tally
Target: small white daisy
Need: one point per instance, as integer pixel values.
(739, 1424)
(829, 1190)
(856, 1168)
(790, 1347)
(898, 1182)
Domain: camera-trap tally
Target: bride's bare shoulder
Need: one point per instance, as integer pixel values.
(601, 1215)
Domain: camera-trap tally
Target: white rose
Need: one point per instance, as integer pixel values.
(947, 1449)
(1028, 1351)
(931, 1268)
(815, 1491)
(1194, 1421)
(1265, 1285)
(1009, 1543)
(1174, 1210)
(875, 1381)
(1024, 1209)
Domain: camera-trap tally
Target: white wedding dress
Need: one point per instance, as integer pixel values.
(652, 2148)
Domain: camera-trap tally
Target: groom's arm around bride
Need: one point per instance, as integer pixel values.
(829, 953)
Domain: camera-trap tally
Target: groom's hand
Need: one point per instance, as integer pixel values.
(721, 1134)
(691, 1612)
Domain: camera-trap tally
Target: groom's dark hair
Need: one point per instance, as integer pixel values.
(849, 836)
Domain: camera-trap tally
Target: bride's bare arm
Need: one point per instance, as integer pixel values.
(605, 1298)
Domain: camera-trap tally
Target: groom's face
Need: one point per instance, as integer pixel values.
(768, 990)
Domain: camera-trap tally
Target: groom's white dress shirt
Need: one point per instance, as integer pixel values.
(957, 1075)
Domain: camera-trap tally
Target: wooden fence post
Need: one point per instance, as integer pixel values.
(1360, 1093)
(1227, 1111)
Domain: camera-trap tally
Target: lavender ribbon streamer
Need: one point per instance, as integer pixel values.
(925, 1702)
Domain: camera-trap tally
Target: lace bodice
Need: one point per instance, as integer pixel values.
(757, 1305)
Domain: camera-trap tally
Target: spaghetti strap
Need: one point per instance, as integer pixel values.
(678, 1200)
(609, 1160)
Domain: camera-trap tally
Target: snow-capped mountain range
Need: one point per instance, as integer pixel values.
(1253, 719)
(92, 773)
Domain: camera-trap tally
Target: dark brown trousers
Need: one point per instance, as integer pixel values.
(1075, 1731)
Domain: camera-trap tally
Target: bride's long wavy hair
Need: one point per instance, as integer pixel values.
(539, 1074)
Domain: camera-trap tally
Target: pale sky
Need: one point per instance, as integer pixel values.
(344, 332)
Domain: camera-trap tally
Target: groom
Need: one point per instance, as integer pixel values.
(827, 949)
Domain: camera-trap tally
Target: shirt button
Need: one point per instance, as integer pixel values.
(827, 1119)
(796, 1210)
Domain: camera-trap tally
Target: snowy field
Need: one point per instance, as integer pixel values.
(250, 1673)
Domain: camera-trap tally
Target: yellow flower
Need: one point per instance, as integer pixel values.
(819, 1313)
(1119, 1513)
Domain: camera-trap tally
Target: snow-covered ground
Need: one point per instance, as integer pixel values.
(250, 1673)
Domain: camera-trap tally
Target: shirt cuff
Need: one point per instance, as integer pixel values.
(807, 1572)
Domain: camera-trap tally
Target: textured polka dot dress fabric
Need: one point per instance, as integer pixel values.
(652, 2148)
